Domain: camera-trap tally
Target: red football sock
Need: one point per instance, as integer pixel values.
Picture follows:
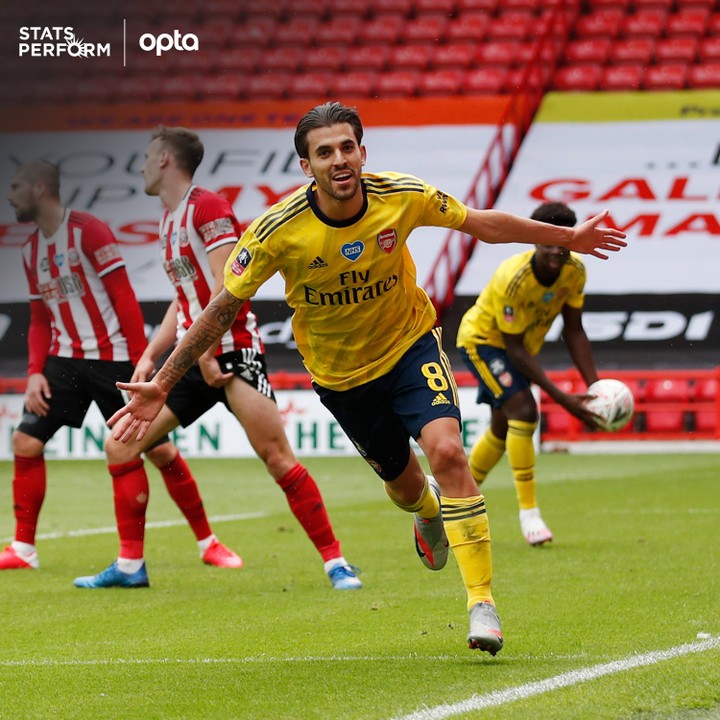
(131, 491)
(29, 484)
(306, 503)
(183, 489)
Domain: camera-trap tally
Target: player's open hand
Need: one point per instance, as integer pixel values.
(591, 239)
(133, 420)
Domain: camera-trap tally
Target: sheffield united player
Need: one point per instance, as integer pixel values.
(86, 332)
(197, 234)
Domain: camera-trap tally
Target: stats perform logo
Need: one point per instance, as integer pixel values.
(57, 41)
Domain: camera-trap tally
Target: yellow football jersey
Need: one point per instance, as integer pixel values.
(351, 284)
(515, 302)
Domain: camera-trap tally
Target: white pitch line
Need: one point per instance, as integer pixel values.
(574, 677)
(157, 524)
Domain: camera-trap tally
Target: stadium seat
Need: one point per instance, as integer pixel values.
(199, 62)
(687, 22)
(383, 30)
(183, 87)
(704, 75)
(666, 393)
(668, 76)
(588, 50)
(470, 27)
(216, 32)
(498, 52)
(330, 58)
(621, 77)
(530, 6)
(382, 7)
(253, 32)
(485, 81)
(705, 390)
(424, 28)
(681, 49)
(280, 58)
(454, 55)
(241, 59)
(475, 6)
(93, 90)
(398, 83)
(309, 85)
(444, 7)
(353, 84)
(226, 86)
(435, 83)
(714, 23)
(616, 5)
(643, 24)
(416, 56)
(603, 23)
(227, 10)
(255, 9)
(338, 30)
(314, 9)
(296, 32)
(583, 78)
(368, 57)
(130, 88)
(632, 50)
(267, 86)
(509, 26)
(667, 390)
(664, 5)
(709, 49)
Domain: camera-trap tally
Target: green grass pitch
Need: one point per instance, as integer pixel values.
(634, 570)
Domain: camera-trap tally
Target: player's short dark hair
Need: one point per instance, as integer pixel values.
(555, 213)
(184, 144)
(326, 115)
(44, 172)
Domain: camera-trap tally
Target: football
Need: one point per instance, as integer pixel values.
(613, 402)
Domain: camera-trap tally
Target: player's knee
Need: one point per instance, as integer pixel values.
(162, 455)
(447, 454)
(117, 452)
(26, 445)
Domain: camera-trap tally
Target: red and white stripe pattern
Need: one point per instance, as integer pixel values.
(202, 222)
(65, 271)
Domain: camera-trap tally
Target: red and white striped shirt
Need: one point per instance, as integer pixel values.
(202, 222)
(70, 273)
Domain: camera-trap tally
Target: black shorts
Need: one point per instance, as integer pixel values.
(381, 415)
(192, 397)
(74, 384)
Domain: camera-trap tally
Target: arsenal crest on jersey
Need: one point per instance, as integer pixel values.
(387, 240)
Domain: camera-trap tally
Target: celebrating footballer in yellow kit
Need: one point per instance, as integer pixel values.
(367, 333)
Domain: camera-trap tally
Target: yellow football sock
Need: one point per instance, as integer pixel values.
(426, 507)
(468, 532)
(485, 454)
(521, 456)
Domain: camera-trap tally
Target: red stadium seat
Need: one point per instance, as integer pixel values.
(296, 32)
(309, 85)
(216, 32)
(485, 81)
(254, 9)
(267, 86)
(329, 58)
(454, 55)
(510, 26)
(241, 59)
(415, 56)
(368, 57)
(226, 86)
(440, 83)
(632, 50)
(588, 50)
(444, 7)
(359, 8)
(584, 78)
(183, 87)
(500, 53)
(253, 32)
(664, 421)
(704, 75)
(682, 49)
(315, 9)
(339, 30)
(188, 62)
(530, 6)
(383, 30)
(667, 390)
(714, 23)
(280, 58)
(621, 77)
(687, 22)
(381, 7)
(664, 5)
(668, 76)
(484, 6)
(470, 27)
(709, 49)
(398, 83)
(603, 23)
(93, 90)
(617, 5)
(229, 10)
(353, 84)
(646, 23)
(424, 28)
(136, 88)
(705, 390)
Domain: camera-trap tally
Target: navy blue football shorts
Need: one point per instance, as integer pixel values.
(382, 415)
(498, 379)
(74, 384)
(192, 397)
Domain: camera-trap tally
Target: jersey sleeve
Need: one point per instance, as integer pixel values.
(441, 209)
(215, 221)
(101, 248)
(249, 266)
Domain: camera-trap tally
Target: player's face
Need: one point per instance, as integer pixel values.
(549, 260)
(23, 199)
(151, 167)
(335, 161)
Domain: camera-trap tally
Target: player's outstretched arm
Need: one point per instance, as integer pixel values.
(495, 226)
(147, 399)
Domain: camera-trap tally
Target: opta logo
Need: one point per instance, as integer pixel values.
(164, 42)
